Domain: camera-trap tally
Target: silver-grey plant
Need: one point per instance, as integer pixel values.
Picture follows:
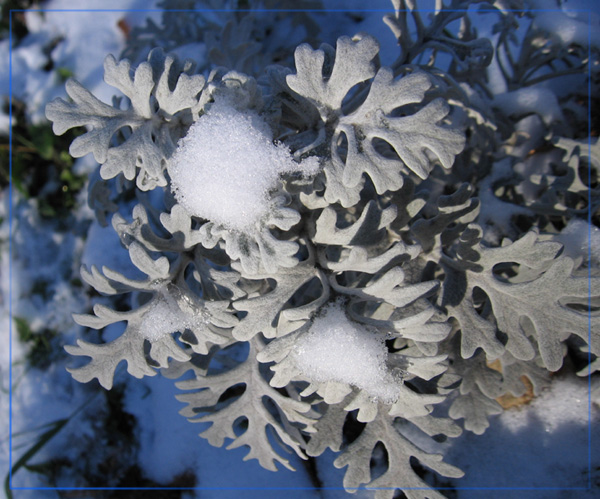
(416, 226)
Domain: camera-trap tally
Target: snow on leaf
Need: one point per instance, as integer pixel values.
(227, 166)
(336, 355)
(409, 313)
(170, 311)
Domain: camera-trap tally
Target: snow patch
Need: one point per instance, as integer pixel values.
(578, 237)
(577, 21)
(336, 349)
(226, 166)
(542, 447)
(530, 100)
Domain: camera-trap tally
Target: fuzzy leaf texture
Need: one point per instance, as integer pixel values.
(417, 141)
(399, 473)
(538, 307)
(248, 405)
(150, 142)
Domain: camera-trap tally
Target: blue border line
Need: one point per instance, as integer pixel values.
(590, 249)
(10, 211)
(10, 205)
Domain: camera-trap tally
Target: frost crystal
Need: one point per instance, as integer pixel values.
(226, 166)
(336, 349)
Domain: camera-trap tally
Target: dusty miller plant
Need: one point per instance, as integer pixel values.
(427, 222)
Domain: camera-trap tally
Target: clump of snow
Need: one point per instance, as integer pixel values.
(576, 21)
(225, 167)
(165, 317)
(527, 100)
(336, 349)
(578, 237)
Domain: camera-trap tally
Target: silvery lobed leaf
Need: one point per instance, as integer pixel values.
(202, 407)
(257, 250)
(149, 133)
(366, 230)
(476, 409)
(480, 386)
(414, 138)
(326, 84)
(455, 210)
(538, 307)
(171, 310)
(399, 472)
(265, 312)
(358, 259)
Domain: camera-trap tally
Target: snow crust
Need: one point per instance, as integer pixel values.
(577, 237)
(537, 451)
(577, 23)
(336, 349)
(226, 166)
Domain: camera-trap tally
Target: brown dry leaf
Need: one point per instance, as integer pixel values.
(509, 401)
(123, 25)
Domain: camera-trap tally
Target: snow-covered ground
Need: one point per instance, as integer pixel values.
(544, 446)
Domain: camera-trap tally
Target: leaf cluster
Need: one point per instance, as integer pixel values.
(400, 229)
